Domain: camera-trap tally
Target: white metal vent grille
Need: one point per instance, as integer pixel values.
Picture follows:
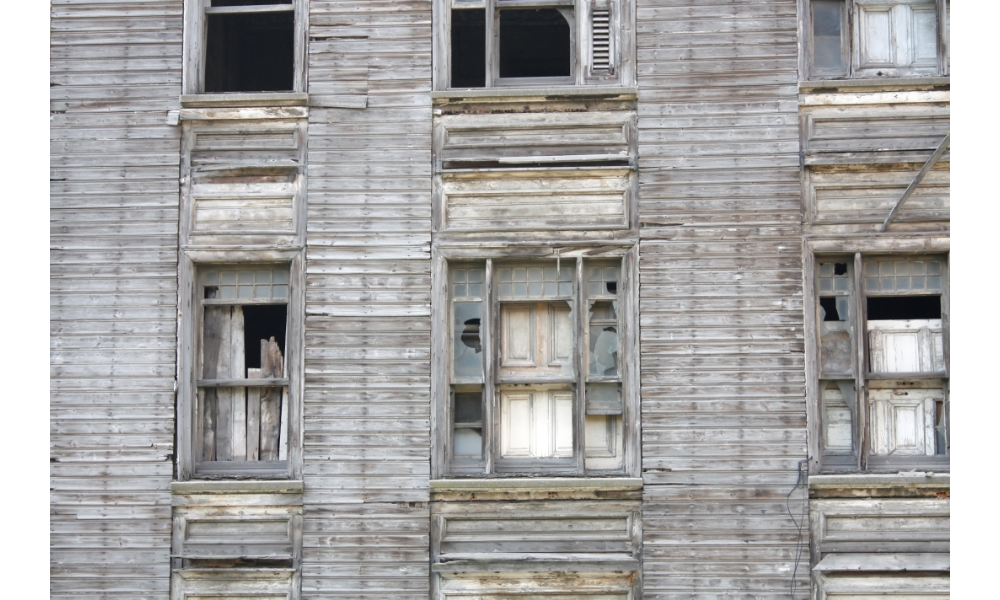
(600, 46)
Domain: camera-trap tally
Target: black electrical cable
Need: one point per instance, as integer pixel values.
(803, 474)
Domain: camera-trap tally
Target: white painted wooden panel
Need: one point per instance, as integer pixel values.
(902, 421)
(876, 35)
(515, 200)
(906, 346)
(518, 336)
(895, 37)
(536, 423)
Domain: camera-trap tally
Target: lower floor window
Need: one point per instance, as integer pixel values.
(535, 376)
(882, 360)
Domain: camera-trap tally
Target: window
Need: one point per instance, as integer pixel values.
(878, 38)
(243, 401)
(531, 42)
(882, 360)
(243, 46)
(535, 373)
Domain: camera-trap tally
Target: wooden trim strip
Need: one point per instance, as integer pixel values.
(916, 180)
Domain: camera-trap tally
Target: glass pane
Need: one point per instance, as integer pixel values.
(827, 35)
(535, 282)
(247, 284)
(468, 442)
(468, 346)
(604, 398)
(603, 339)
(469, 407)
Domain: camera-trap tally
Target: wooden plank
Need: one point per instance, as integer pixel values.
(272, 365)
(253, 417)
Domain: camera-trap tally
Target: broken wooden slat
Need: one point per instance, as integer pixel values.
(271, 365)
(223, 366)
(238, 395)
(945, 143)
(253, 417)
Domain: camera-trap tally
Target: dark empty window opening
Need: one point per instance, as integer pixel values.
(216, 3)
(468, 48)
(263, 322)
(887, 308)
(830, 310)
(535, 43)
(840, 268)
(250, 52)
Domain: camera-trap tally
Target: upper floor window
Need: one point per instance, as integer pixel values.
(877, 38)
(530, 42)
(243, 46)
(882, 373)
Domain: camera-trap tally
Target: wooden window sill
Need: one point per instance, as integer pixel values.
(526, 484)
(902, 484)
(237, 487)
(874, 84)
(539, 94)
(244, 99)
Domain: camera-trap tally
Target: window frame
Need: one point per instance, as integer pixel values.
(195, 45)
(442, 424)
(192, 263)
(582, 73)
(861, 457)
(849, 45)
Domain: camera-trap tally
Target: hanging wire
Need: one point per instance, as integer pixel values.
(801, 479)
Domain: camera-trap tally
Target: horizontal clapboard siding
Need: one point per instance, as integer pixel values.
(367, 357)
(532, 200)
(863, 194)
(115, 72)
(527, 135)
(723, 410)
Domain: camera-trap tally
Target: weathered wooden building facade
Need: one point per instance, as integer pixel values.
(503, 299)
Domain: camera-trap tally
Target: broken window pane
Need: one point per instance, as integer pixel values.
(833, 277)
(468, 48)
(603, 339)
(602, 281)
(827, 18)
(468, 346)
(535, 42)
(838, 416)
(250, 52)
(836, 343)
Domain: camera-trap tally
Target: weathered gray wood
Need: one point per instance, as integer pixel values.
(270, 400)
(916, 180)
(253, 417)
